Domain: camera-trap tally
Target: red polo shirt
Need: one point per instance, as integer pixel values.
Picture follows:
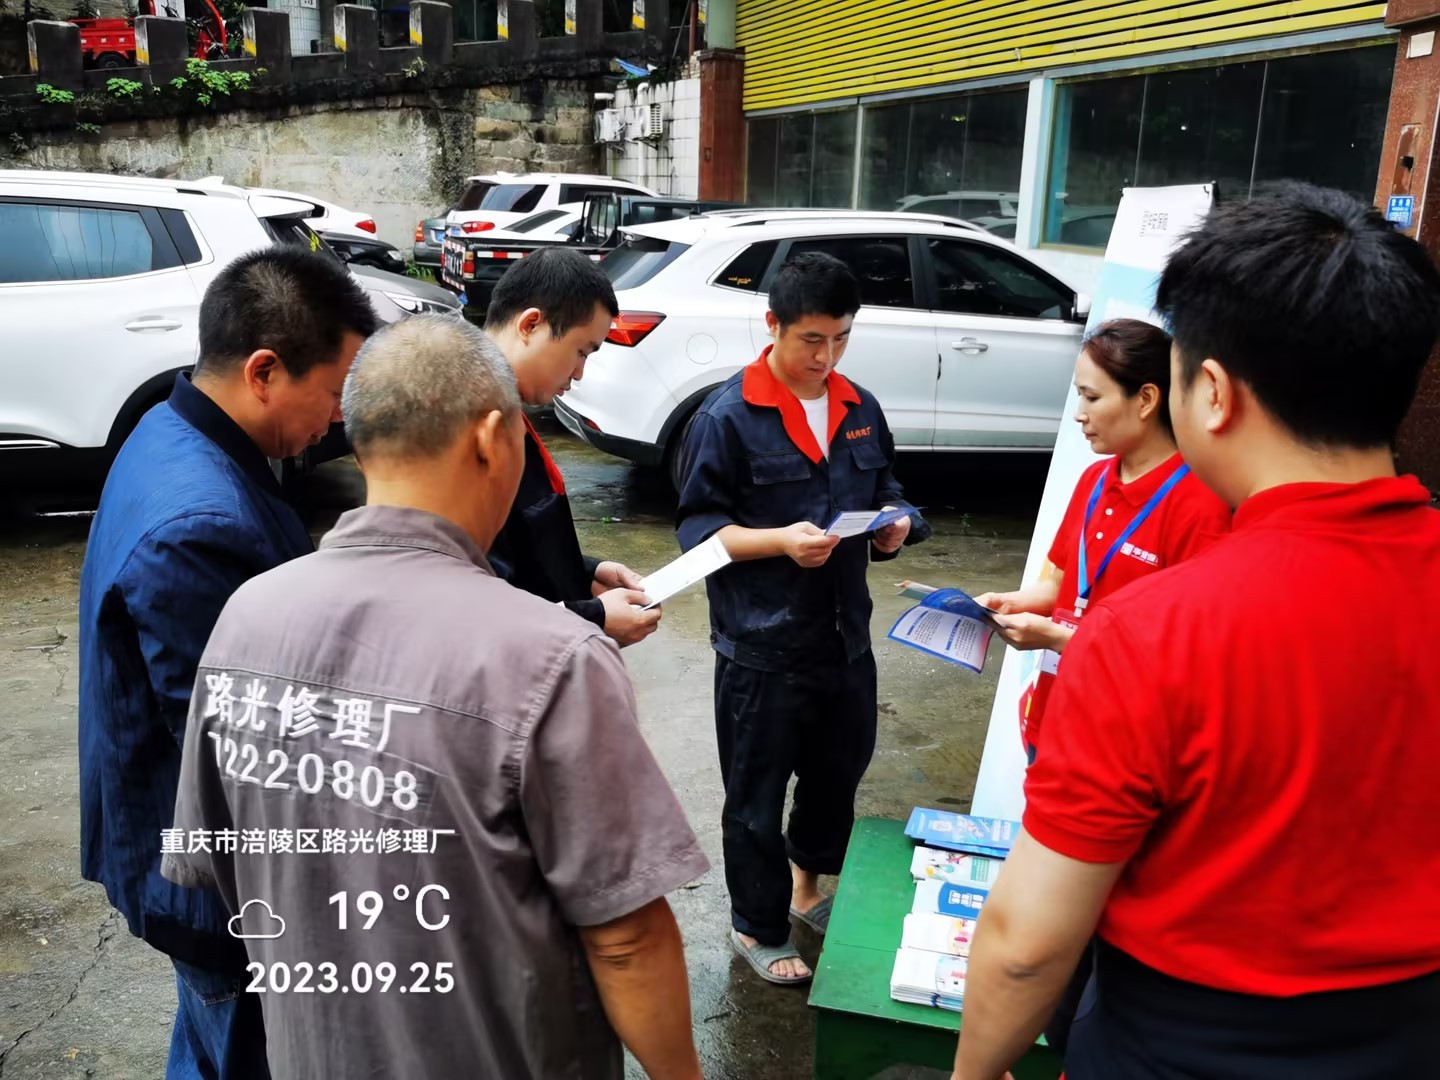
(1256, 733)
(1187, 521)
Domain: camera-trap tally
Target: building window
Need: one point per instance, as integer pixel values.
(1319, 117)
(958, 156)
(805, 159)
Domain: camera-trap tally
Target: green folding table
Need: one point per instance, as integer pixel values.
(859, 1029)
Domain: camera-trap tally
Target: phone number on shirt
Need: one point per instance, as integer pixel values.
(300, 978)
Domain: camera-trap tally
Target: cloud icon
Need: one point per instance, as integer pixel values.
(236, 925)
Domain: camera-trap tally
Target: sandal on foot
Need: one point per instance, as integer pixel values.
(760, 957)
(818, 917)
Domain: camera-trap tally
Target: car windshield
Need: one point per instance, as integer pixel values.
(294, 232)
(502, 198)
(637, 260)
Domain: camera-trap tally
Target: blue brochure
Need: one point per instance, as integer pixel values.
(962, 832)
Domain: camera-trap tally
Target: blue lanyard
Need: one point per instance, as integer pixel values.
(1085, 583)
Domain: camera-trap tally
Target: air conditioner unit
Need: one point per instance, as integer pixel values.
(637, 124)
(607, 126)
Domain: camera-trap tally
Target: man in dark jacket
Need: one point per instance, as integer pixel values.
(190, 511)
(774, 454)
(548, 314)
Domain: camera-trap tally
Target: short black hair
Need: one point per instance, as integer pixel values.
(1316, 302)
(813, 283)
(296, 303)
(564, 285)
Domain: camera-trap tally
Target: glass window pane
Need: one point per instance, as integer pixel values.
(1199, 125)
(760, 162)
(973, 279)
(882, 157)
(71, 243)
(1324, 119)
(880, 263)
(1097, 135)
(834, 160)
(748, 268)
(935, 168)
(792, 181)
(473, 195)
(994, 137)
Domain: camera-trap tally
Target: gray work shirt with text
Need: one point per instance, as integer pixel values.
(386, 737)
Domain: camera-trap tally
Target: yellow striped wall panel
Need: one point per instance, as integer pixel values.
(805, 52)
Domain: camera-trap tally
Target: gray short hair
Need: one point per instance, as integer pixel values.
(417, 383)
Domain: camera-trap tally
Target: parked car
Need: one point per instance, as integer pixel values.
(429, 243)
(473, 265)
(967, 343)
(965, 205)
(498, 200)
(101, 278)
(365, 251)
(326, 217)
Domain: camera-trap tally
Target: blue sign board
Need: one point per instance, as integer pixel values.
(1400, 210)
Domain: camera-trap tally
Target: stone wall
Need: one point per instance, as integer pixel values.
(397, 157)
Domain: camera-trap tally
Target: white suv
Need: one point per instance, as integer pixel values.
(967, 344)
(100, 285)
(498, 200)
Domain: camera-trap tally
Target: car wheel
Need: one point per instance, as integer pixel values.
(113, 60)
(673, 450)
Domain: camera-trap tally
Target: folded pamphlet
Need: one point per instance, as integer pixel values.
(928, 978)
(695, 565)
(948, 623)
(858, 522)
(991, 837)
(938, 934)
(942, 898)
(953, 866)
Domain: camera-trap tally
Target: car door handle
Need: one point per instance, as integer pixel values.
(970, 344)
(153, 322)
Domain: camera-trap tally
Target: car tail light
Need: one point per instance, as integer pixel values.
(420, 232)
(367, 225)
(477, 226)
(467, 268)
(632, 327)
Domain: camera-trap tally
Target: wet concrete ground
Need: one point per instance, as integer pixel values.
(79, 997)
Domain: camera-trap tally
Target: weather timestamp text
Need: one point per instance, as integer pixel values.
(361, 978)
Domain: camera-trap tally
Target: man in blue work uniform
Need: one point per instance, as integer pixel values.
(191, 510)
(770, 458)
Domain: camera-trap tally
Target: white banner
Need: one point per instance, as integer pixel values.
(1148, 225)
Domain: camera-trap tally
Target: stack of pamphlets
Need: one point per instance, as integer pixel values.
(962, 832)
(951, 886)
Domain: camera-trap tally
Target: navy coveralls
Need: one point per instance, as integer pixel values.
(537, 549)
(794, 674)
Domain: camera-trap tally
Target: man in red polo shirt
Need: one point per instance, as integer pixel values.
(1238, 788)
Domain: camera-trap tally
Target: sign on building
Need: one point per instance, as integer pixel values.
(1400, 210)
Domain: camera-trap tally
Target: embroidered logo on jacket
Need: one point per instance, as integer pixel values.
(857, 433)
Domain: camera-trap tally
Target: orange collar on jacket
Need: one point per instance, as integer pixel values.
(552, 471)
(761, 387)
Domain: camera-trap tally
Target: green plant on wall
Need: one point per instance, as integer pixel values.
(123, 88)
(205, 82)
(51, 95)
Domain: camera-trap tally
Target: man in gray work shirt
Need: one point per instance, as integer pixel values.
(422, 792)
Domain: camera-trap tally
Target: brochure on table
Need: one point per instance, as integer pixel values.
(1149, 223)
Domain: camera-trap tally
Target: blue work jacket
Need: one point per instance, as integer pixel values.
(191, 510)
(751, 459)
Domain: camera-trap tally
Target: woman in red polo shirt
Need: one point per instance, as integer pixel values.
(1134, 512)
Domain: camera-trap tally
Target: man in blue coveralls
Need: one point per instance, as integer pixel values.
(190, 512)
(770, 458)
